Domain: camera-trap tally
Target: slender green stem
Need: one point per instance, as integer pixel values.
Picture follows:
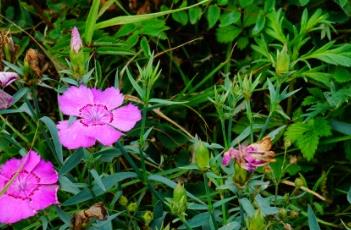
(142, 142)
(250, 117)
(209, 201)
(15, 130)
(224, 133)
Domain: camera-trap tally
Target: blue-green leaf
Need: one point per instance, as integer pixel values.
(312, 219)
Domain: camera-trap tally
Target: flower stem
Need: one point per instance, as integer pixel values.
(209, 201)
(15, 130)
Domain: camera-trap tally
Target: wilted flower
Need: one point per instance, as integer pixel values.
(5, 100)
(252, 156)
(6, 78)
(76, 41)
(27, 185)
(100, 116)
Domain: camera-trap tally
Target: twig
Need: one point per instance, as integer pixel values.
(303, 188)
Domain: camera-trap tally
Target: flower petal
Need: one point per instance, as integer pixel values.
(75, 98)
(31, 160)
(125, 117)
(110, 97)
(73, 136)
(10, 167)
(6, 78)
(13, 210)
(105, 134)
(45, 196)
(46, 172)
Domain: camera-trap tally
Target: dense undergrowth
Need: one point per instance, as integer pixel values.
(235, 114)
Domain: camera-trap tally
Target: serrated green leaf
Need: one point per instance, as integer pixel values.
(308, 144)
(295, 131)
(213, 14)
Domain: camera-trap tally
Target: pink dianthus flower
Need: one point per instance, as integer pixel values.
(32, 186)
(252, 156)
(6, 78)
(100, 116)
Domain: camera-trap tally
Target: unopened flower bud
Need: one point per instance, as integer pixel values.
(76, 41)
(283, 61)
(299, 183)
(256, 222)
(178, 204)
(132, 207)
(241, 176)
(293, 214)
(282, 213)
(123, 201)
(202, 155)
(148, 217)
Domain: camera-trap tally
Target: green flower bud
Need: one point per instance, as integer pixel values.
(202, 155)
(282, 213)
(241, 176)
(123, 201)
(148, 217)
(283, 61)
(299, 183)
(132, 207)
(178, 204)
(256, 222)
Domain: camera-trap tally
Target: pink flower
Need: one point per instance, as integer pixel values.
(6, 78)
(252, 156)
(5, 100)
(33, 188)
(100, 116)
(76, 41)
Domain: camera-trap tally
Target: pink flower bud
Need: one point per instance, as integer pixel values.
(76, 41)
(6, 78)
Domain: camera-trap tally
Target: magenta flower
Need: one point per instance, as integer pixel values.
(252, 156)
(32, 186)
(76, 41)
(100, 116)
(6, 78)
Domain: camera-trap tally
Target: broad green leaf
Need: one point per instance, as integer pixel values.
(213, 14)
(312, 219)
(194, 14)
(234, 225)
(227, 34)
(180, 17)
(245, 3)
(229, 18)
(247, 206)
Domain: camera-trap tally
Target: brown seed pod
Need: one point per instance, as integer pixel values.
(82, 218)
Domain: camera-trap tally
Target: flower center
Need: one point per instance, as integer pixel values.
(23, 186)
(95, 115)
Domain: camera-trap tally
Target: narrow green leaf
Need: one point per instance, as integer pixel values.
(55, 139)
(121, 20)
(349, 195)
(97, 179)
(312, 219)
(72, 161)
(135, 85)
(90, 24)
